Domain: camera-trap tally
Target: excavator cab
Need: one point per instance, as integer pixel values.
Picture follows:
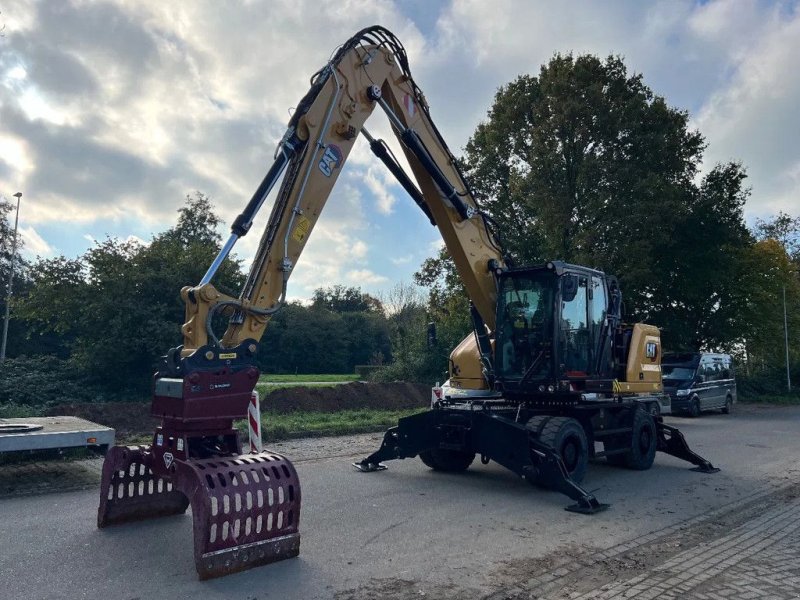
(554, 329)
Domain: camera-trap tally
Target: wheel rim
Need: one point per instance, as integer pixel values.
(570, 453)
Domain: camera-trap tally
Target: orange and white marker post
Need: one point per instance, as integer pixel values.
(436, 394)
(254, 422)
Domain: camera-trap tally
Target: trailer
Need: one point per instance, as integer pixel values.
(53, 433)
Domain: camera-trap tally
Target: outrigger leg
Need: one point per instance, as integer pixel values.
(493, 437)
(671, 441)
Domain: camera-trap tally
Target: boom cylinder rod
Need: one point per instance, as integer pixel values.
(380, 150)
(223, 254)
(244, 221)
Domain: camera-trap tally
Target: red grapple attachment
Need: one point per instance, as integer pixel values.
(245, 507)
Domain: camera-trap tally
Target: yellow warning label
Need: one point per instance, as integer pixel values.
(301, 229)
(227, 355)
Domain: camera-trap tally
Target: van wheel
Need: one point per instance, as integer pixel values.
(694, 408)
(726, 410)
(447, 460)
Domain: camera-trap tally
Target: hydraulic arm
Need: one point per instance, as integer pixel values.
(246, 507)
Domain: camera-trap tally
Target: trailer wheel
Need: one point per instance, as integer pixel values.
(452, 461)
(567, 437)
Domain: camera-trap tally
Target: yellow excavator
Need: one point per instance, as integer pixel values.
(550, 367)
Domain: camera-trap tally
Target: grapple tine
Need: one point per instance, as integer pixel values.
(246, 511)
(130, 491)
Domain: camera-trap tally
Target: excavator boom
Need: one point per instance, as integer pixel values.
(246, 507)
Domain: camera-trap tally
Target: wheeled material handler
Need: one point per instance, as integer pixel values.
(559, 368)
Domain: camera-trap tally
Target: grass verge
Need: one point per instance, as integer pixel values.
(317, 424)
(327, 378)
(770, 399)
(265, 388)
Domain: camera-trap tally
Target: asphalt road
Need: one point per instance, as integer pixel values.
(411, 533)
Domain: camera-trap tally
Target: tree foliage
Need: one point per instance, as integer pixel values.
(584, 163)
(118, 306)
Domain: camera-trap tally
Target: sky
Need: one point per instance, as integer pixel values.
(112, 112)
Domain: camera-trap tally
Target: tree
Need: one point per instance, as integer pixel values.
(118, 306)
(301, 339)
(784, 229)
(345, 299)
(584, 163)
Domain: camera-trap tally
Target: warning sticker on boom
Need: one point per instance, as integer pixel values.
(300, 232)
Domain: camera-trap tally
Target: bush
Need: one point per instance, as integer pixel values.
(766, 386)
(41, 381)
(423, 368)
(365, 371)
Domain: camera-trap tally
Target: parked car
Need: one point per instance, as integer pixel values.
(699, 381)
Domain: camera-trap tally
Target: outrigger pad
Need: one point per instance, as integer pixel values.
(368, 467)
(245, 508)
(130, 491)
(589, 508)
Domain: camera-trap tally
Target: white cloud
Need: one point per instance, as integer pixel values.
(35, 245)
(113, 111)
(378, 182)
(754, 118)
(364, 276)
(402, 260)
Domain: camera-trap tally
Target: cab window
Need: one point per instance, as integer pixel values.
(575, 336)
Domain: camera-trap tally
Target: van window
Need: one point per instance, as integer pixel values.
(727, 369)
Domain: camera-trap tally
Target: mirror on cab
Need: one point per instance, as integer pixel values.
(569, 287)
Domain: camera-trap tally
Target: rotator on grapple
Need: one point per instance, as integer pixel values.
(559, 368)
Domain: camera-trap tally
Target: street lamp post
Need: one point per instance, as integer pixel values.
(18, 195)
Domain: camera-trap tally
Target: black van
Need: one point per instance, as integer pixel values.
(698, 381)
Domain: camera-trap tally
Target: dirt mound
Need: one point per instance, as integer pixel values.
(133, 420)
(349, 396)
(128, 419)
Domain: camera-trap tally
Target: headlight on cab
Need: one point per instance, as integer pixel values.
(682, 393)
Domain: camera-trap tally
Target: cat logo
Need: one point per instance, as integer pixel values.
(330, 160)
(651, 350)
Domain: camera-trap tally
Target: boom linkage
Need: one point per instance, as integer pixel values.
(370, 69)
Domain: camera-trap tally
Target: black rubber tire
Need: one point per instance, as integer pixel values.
(451, 461)
(644, 442)
(694, 407)
(567, 437)
(641, 444)
(726, 410)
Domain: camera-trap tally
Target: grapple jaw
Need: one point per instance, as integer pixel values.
(245, 507)
(246, 511)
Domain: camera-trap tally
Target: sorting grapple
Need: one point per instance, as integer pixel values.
(245, 507)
